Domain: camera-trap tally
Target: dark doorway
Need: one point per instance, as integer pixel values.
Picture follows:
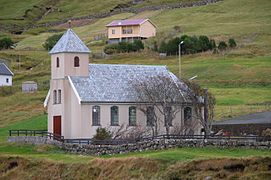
(57, 125)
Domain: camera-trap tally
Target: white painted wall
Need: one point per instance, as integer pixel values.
(3, 80)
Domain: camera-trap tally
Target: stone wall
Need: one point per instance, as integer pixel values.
(140, 146)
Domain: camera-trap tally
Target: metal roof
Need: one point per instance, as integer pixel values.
(69, 42)
(4, 70)
(127, 22)
(112, 83)
(257, 118)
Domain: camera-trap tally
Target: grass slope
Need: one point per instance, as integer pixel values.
(240, 78)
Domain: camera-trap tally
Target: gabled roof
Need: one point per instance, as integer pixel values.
(109, 83)
(69, 42)
(128, 22)
(4, 70)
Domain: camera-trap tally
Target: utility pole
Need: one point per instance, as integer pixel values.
(206, 121)
(180, 58)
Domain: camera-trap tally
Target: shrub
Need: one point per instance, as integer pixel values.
(138, 44)
(6, 90)
(222, 46)
(51, 41)
(191, 45)
(123, 46)
(102, 134)
(213, 44)
(267, 132)
(5, 43)
(232, 43)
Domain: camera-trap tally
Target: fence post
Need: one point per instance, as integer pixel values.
(9, 132)
(18, 132)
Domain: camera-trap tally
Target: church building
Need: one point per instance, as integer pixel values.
(84, 97)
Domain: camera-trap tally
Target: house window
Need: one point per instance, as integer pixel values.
(59, 96)
(7, 80)
(150, 116)
(96, 116)
(54, 97)
(127, 31)
(76, 61)
(132, 116)
(187, 115)
(168, 116)
(57, 62)
(113, 31)
(114, 116)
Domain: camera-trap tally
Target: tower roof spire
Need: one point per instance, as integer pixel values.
(71, 43)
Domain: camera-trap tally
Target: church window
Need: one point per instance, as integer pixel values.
(57, 62)
(76, 61)
(96, 116)
(114, 116)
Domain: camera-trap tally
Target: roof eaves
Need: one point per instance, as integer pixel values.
(74, 90)
(45, 103)
(149, 21)
(8, 69)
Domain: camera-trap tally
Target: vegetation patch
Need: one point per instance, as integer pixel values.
(134, 168)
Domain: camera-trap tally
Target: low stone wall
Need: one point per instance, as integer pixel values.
(140, 146)
(35, 140)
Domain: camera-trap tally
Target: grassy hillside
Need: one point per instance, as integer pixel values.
(240, 79)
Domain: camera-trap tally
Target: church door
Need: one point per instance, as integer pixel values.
(57, 125)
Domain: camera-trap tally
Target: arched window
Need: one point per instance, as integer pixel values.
(132, 116)
(114, 116)
(57, 62)
(54, 97)
(96, 116)
(187, 115)
(76, 61)
(150, 116)
(168, 116)
(59, 96)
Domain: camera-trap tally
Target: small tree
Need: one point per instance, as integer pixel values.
(205, 43)
(138, 45)
(162, 94)
(51, 41)
(202, 101)
(5, 43)
(232, 43)
(222, 46)
(102, 134)
(213, 44)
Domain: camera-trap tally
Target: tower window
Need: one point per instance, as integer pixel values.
(54, 97)
(57, 62)
(76, 61)
(59, 96)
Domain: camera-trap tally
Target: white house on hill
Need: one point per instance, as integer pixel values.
(5, 75)
(83, 96)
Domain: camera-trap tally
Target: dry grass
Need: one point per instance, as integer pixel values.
(135, 168)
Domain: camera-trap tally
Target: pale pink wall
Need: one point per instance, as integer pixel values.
(117, 34)
(66, 65)
(144, 30)
(147, 30)
(84, 129)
